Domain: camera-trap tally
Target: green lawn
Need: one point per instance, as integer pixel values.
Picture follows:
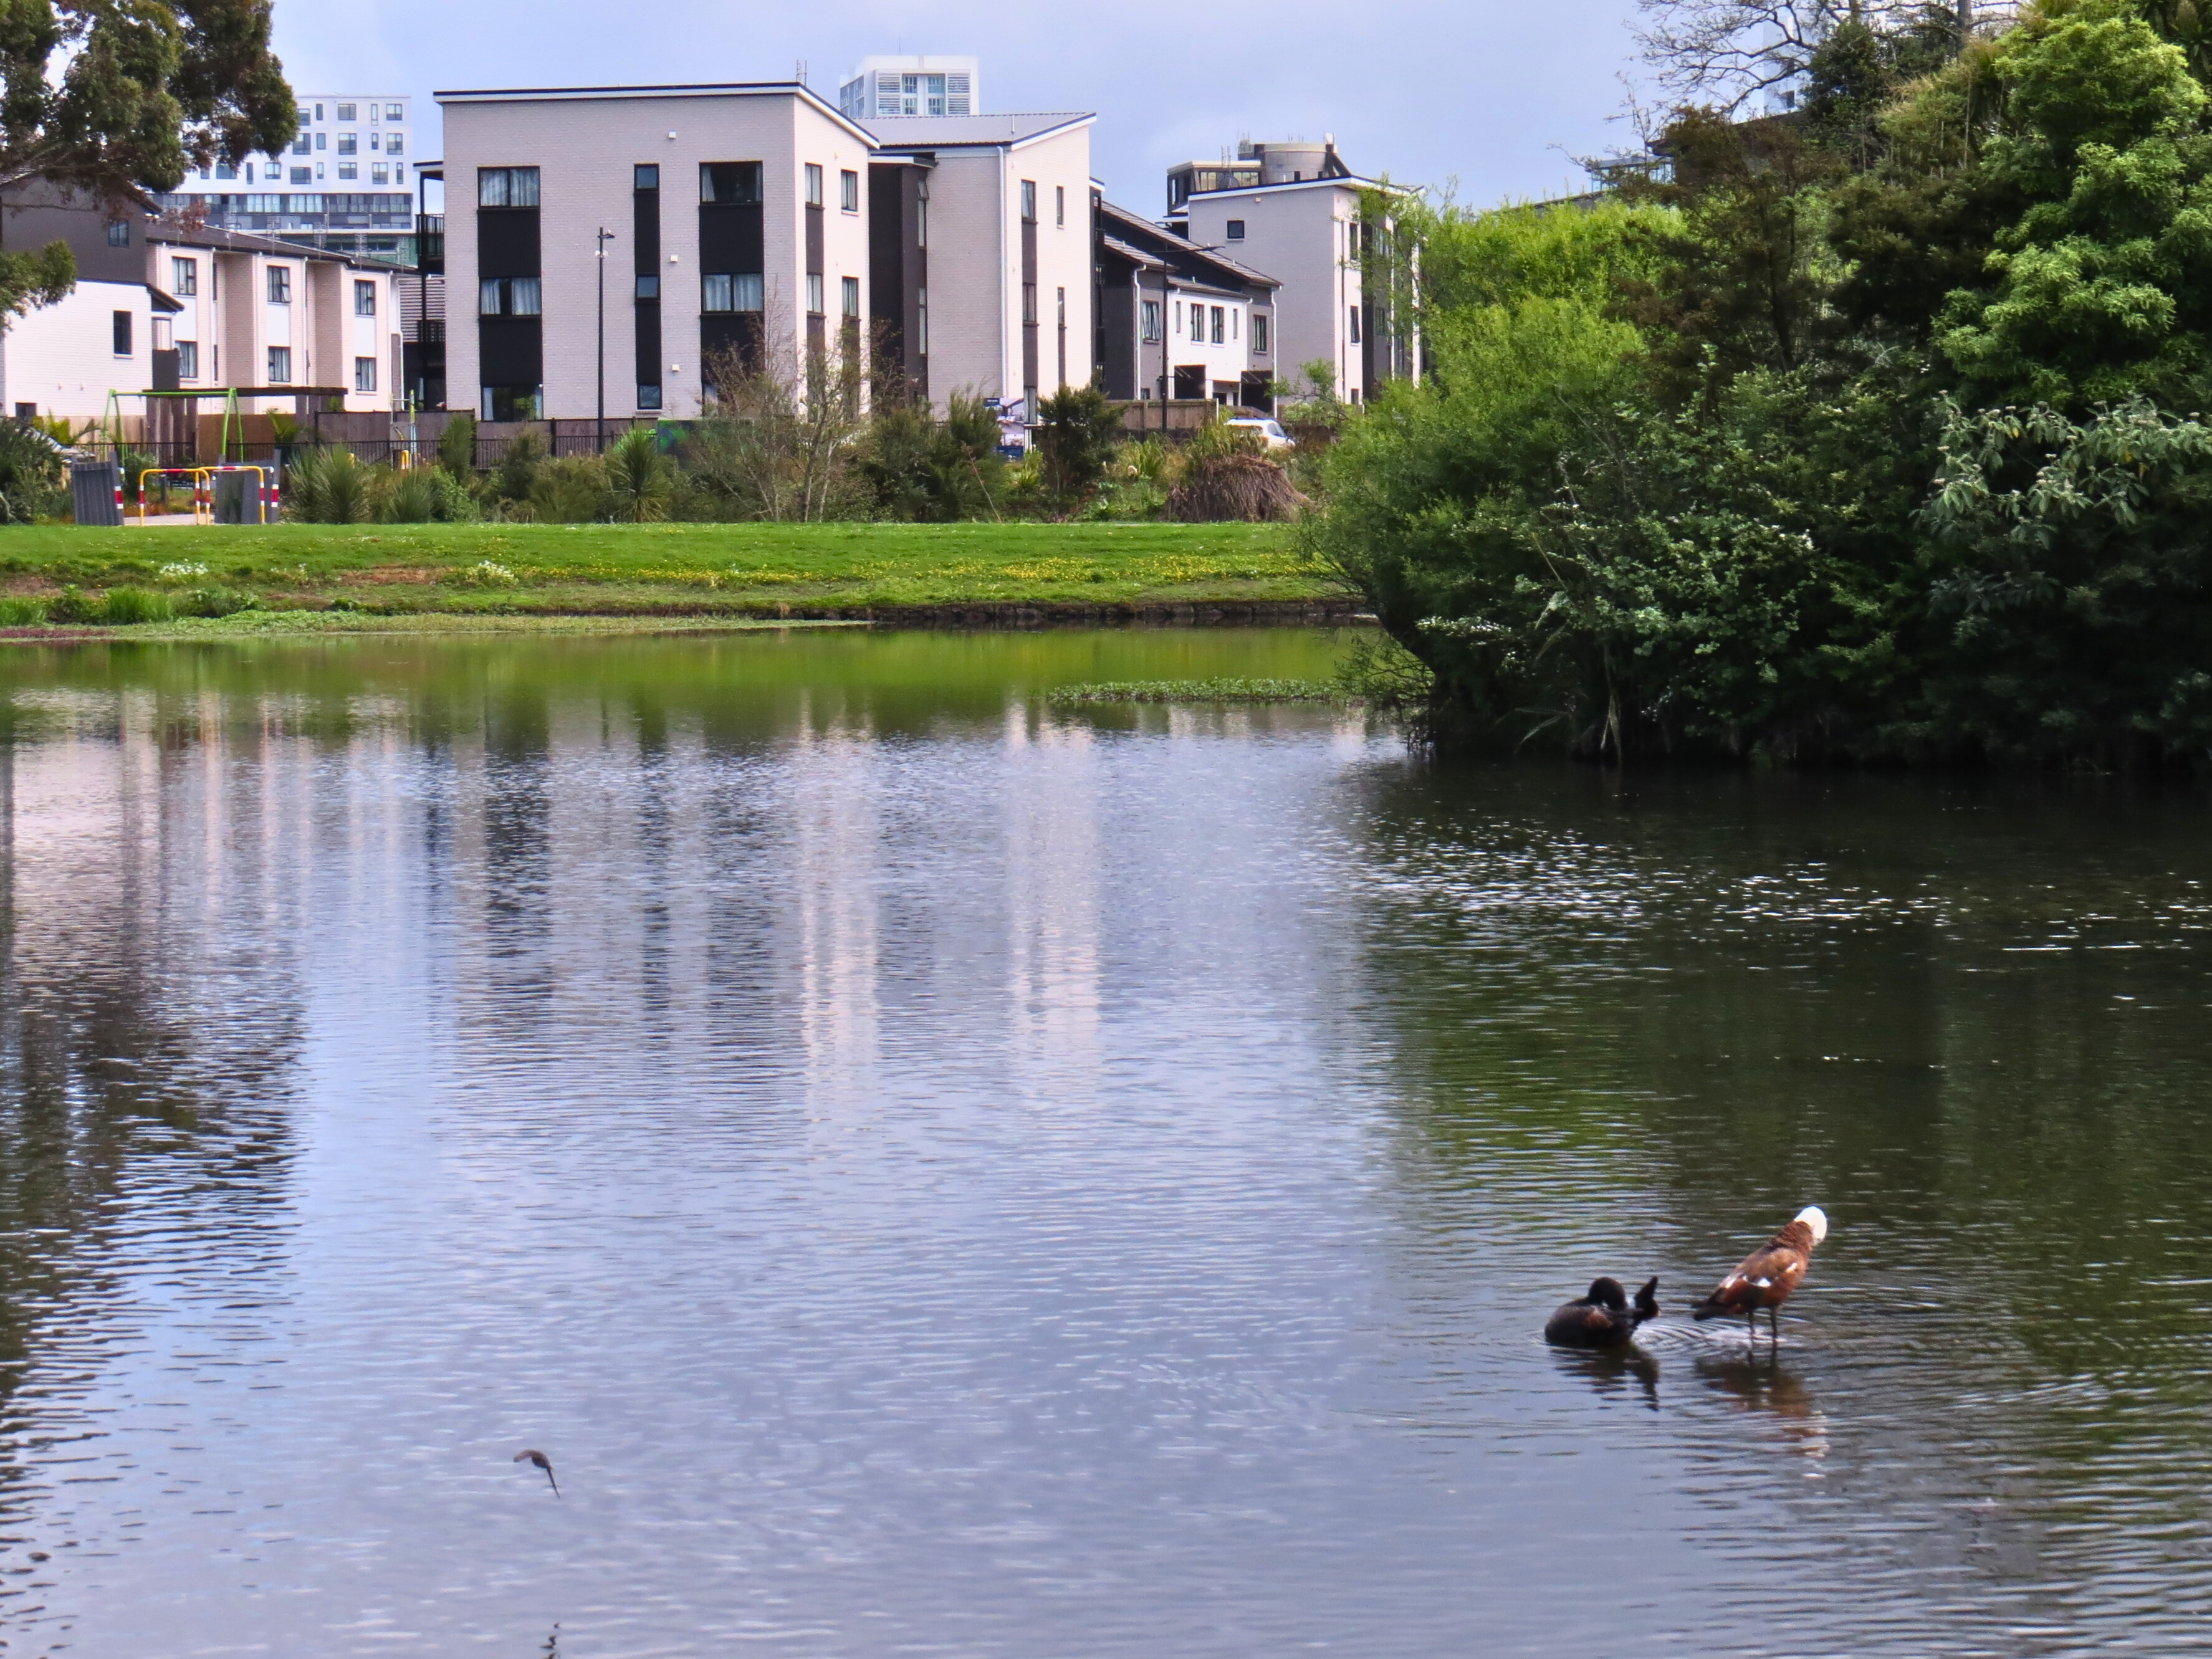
(731, 569)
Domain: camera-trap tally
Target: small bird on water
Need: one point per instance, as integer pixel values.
(539, 1459)
(1603, 1319)
(1765, 1277)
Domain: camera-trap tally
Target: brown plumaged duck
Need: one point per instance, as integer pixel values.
(1765, 1277)
(1603, 1319)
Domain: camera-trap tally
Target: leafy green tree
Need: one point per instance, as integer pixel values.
(922, 469)
(111, 101)
(1078, 432)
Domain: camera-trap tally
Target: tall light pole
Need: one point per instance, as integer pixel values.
(599, 429)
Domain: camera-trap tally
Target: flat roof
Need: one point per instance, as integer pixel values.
(797, 89)
(1351, 181)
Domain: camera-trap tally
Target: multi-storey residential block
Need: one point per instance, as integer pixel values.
(733, 224)
(1297, 212)
(166, 307)
(911, 85)
(346, 184)
(1178, 320)
(985, 222)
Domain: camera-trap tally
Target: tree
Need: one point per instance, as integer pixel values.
(111, 101)
(1727, 53)
(1078, 432)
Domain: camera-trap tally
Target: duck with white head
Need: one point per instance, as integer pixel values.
(1766, 1278)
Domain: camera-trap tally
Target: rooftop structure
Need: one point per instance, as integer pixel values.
(911, 84)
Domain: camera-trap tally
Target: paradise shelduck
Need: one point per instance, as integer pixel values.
(1765, 1277)
(1603, 1319)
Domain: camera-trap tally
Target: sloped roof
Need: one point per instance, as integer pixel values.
(950, 132)
(1135, 225)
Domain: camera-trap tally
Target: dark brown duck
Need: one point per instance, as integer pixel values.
(1604, 1318)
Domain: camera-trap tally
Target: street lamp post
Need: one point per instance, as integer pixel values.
(599, 431)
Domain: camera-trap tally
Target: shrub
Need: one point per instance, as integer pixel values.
(427, 494)
(934, 471)
(1078, 433)
(571, 491)
(327, 485)
(215, 602)
(30, 473)
(73, 604)
(21, 613)
(1216, 488)
(457, 448)
(517, 468)
(127, 605)
(639, 478)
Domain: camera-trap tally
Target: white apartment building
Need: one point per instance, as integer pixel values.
(1005, 282)
(915, 84)
(1294, 211)
(161, 307)
(733, 219)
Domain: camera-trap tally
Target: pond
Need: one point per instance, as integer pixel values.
(939, 1173)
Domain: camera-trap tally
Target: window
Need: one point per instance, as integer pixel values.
(184, 277)
(364, 375)
(508, 296)
(1029, 302)
(1060, 205)
(348, 144)
(395, 113)
(647, 176)
(123, 334)
(1152, 321)
(921, 321)
(849, 192)
(1354, 315)
(322, 140)
(814, 294)
(364, 304)
(1062, 297)
(730, 184)
(738, 292)
(345, 112)
(1234, 324)
(226, 169)
(648, 287)
(1198, 322)
(280, 365)
(348, 170)
(1236, 230)
(395, 143)
(1220, 326)
(1029, 201)
(188, 360)
(648, 396)
(118, 233)
(1259, 334)
(303, 175)
(379, 174)
(280, 285)
(512, 403)
(813, 184)
(850, 287)
(302, 145)
(376, 141)
(507, 187)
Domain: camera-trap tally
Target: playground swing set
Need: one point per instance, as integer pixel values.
(260, 499)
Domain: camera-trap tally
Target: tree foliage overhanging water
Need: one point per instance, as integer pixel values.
(1869, 432)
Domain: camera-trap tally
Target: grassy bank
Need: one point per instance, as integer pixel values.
(734, 570)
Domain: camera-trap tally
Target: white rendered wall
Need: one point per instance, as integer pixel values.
(584, 150)
(1298, 235)
(1224, 362)
(62, 357)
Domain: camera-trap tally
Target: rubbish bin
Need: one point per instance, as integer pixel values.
(238, 497)
(95, 492)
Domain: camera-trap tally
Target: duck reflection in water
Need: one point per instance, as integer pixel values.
(1764, 1387)
(1611, 1371)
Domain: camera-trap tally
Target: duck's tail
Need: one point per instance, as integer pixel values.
(1647, 1301)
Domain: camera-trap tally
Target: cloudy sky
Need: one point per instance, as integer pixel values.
(1497, 95)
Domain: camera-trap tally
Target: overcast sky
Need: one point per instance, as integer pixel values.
(1497, 93)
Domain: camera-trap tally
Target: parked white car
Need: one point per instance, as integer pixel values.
(1267, 428)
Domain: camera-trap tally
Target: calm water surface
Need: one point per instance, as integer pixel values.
(942, 1176)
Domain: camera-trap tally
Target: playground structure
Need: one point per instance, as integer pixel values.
(208, 493)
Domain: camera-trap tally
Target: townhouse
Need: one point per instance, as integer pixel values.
(1178, 320)
(167, 305)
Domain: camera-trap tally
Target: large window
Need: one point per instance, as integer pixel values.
(508, 296)
(395, 143)
(280, 285)
(506, 187)
(280, 365)
(1198, 322)
(364, 298)
(730, 184)
(345, 112)
(849, 192)
(122, 331)
(814, 294)
(364, 375)
(512, 402)
(813, 184)
(739, 291)
(1259, 334)
(1220, 326)
(1029, 201)
(851, 289)
(348, 144)
(188, 360)
(1152, 321)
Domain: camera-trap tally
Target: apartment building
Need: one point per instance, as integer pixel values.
(169, 306)
(346, 183)
(912, 84)
(983, 224)
(1178, 320)
(732, 220)
(1295, 211)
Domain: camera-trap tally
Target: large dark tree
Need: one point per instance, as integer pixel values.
(114, 99)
